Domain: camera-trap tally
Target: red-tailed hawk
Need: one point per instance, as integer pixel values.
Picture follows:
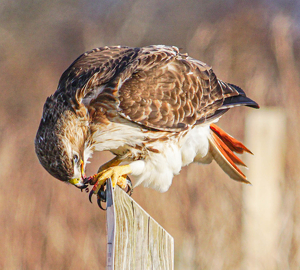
(154, 108)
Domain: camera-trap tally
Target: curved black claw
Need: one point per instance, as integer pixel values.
(91, 195)
(99, 200)
(101, 196)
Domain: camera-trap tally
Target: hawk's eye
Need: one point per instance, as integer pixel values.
(75, 158)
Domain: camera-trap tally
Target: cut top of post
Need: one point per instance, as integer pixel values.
(139, 242)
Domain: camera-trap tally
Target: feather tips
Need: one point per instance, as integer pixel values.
(223, 147)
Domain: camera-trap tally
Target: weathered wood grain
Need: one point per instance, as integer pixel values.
(140, 242)
(111, 225)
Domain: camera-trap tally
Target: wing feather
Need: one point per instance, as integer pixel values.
(177, 93)
(154, 86)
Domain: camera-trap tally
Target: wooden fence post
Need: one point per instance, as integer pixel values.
(266, 137)
(110, 226)
(135, 239)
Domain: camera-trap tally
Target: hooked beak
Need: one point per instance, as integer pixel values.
(79, 182)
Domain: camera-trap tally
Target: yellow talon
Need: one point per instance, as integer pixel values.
(117, 174)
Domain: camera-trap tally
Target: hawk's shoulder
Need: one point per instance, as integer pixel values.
(106, 65)
(154, 86)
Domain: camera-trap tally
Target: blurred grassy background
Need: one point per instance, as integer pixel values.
(45, 224)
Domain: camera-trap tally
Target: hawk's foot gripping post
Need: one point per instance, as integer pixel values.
(118, 175)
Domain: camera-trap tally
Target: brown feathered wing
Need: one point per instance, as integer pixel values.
(158, 88)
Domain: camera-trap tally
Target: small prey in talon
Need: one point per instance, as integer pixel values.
(154, 108)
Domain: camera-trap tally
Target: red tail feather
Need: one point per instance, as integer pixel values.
(223, 146)
(231, 142)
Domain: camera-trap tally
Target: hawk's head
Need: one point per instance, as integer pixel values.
(61, 143)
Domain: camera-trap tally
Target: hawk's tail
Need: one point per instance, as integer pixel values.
(222, 148)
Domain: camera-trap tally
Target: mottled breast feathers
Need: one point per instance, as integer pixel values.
(155, 86)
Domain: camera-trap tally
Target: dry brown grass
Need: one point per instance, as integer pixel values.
(45, 224)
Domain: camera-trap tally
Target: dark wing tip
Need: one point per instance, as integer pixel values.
(239, 100)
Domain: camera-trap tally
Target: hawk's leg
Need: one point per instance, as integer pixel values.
(114, 162)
